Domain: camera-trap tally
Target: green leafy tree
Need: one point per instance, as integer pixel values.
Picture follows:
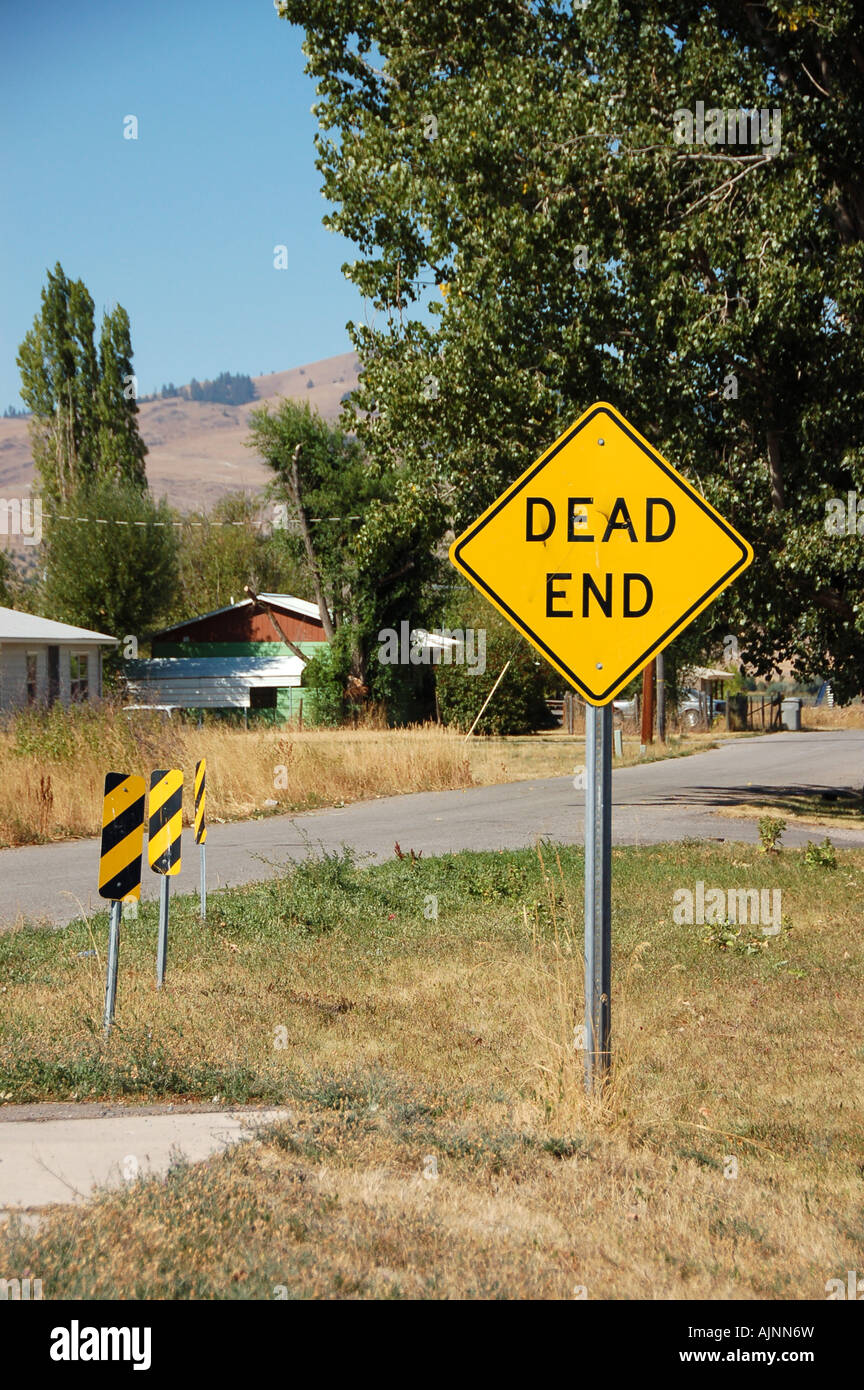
(533, 236)
(84, 421)
(114, 578)
(518, 705)
(221, 553)
(9, 583)
(364, 535)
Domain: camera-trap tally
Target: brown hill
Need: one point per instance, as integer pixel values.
(196, 449)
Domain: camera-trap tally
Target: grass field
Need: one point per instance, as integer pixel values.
(53, 765)
(439, 1141)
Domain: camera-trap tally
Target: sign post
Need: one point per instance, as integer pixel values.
(120, 854)
(600, 554)
(648, 705)
(598, 891)
(163, 848)
(201, 828)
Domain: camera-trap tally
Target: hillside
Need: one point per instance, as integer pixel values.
(197, 450)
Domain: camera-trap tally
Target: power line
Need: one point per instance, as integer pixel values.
(117, 521)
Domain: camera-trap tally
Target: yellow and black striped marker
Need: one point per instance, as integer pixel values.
(200, 797)
(166, 820)
(122, 837)
(163, 848)
(119, 865)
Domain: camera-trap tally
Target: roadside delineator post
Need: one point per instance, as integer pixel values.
(120, 854)
(201, 828)
(163, 847)
(600, 554)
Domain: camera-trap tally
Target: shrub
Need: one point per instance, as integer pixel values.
(519, 704)
(770, 830)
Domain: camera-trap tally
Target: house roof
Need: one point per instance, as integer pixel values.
(16, 626)
(287, 603)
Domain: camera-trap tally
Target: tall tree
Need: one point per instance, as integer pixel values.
(84, 423)
(120, 448)
(367, 546)
(534, 235)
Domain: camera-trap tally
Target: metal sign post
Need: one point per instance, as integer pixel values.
(113, 958)
(162, 944)
(598, 893)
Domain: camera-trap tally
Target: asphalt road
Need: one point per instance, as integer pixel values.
(654, 802)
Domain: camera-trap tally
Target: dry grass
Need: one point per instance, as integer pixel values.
(52, 768)
(822, 717)
(53, 765)
(844, 808)
(405, 1046)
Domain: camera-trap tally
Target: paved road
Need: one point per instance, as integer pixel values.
(60, 1153)
(654, 802)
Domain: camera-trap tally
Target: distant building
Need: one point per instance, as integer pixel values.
(233, 658)
(43, 662)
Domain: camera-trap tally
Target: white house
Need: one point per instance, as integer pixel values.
(42, 661)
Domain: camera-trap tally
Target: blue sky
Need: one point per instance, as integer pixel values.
(179, 225)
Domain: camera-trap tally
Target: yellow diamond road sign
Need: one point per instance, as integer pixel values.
(600, 553)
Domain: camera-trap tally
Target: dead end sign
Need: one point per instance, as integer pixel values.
(600, 553)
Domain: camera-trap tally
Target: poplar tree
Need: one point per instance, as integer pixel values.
(120, 448)
(85, 426)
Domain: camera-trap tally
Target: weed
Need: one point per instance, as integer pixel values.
(822, 856)
(770, 830)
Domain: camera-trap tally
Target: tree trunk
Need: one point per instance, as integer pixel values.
(775, 469)
(297, 498)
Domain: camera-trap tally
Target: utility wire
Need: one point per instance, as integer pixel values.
(117, 521)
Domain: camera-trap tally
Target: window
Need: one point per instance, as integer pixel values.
(32, 678)
(79, 680)
(262, 697)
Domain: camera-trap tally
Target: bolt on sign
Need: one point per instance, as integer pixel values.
(601, 553)
(200, 798)
(122, 837)
(166, 818)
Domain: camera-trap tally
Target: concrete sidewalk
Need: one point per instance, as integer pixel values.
(61, 1153)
